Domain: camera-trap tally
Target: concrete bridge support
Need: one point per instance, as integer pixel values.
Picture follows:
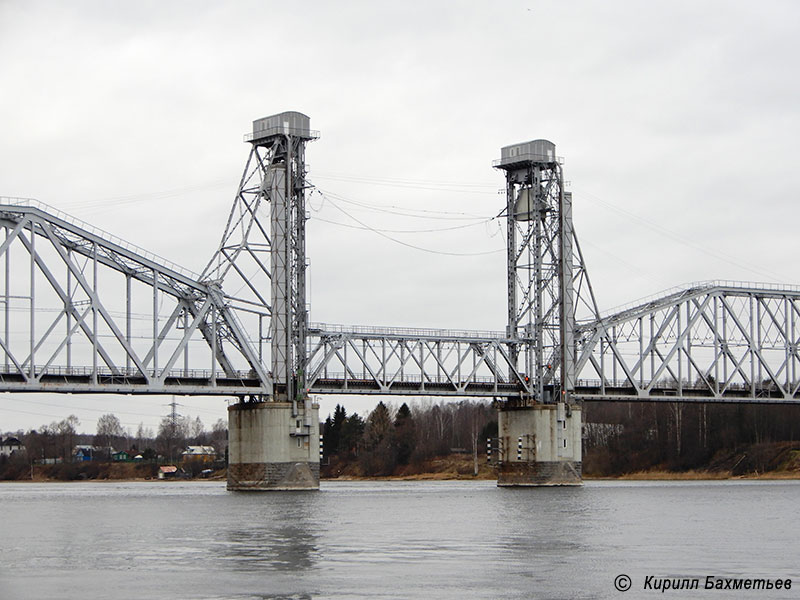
(269, 448)
(540, 445)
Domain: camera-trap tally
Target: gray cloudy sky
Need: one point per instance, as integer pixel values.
(678, 122)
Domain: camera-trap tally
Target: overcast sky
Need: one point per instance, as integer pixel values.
(678, 123)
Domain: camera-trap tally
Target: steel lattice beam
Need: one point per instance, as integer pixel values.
(77, 295)
(714, 341)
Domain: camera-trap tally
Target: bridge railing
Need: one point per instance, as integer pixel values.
(110, 237)
(409, 378)
(132, 373)
(410, 332)
(700, 286)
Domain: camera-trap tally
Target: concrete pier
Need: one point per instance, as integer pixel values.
(540, 445)
(271, 449)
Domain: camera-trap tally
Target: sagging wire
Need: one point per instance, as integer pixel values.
(401, 242)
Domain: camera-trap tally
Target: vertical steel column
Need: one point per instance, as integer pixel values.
(758, 339)
(640, 362)
(7, 299)
(95, 300)
(678, 353)
(280, 262)
(186, 347)
(716, 343)
(602, 366)
(261, 338)
(213, 312)
(652, 346)
(689, 343)
(511, 276)
(567, 298)
(32, 368)
(68, 311)
(724, 345)
(535, 365)
(155, 323)
(128, 320)
(787, 340)
(297, 184)
(751, 350)
(792, 340)
(613, 354)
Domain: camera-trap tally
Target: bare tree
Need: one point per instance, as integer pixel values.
(65, 432)
(109, 431)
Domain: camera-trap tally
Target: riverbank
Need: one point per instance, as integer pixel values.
(767, 461)
(759, 461)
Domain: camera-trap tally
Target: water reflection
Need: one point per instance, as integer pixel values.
(280, 534)
(283, 547)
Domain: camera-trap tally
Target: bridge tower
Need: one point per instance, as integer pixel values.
(273, 440)
(540, 432)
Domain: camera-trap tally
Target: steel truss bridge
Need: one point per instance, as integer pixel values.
(86, 312)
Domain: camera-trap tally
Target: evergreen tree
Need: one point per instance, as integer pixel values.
(378, 457)
(332, 431)
(327, 437)
(352, 434)
(405, 434)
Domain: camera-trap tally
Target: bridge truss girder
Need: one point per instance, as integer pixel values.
(93, 289)
(412, 362)
(718, 342)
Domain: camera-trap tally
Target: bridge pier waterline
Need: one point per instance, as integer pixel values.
(272, 447)
(540, 445)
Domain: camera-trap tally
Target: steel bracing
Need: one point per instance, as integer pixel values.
(73, 316)
(710, 341)
(86, 312)
(261, 259)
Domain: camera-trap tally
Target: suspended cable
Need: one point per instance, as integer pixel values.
(434, 230)
(404, 211)
(402, 243)
(457, 188)
(681, 239)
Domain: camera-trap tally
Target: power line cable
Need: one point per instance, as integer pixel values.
(404, 211)
(402, 243)
(675, 236)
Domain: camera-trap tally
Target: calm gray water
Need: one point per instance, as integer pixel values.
(391, 539)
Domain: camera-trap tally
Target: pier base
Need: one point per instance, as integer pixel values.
(540, 445)
(271, 449)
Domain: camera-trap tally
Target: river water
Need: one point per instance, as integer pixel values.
(98, 540)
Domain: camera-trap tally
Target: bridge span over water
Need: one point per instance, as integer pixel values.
(84, 311)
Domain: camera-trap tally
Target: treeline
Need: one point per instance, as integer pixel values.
(389, 439)
(57, 441)
(625, 437)
(618, 437)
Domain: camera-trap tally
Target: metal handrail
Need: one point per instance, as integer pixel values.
(61, 371)
(410, 378)
(530, 156)
(698, 286)
(110, 237)
(411, 332)
(311, 134)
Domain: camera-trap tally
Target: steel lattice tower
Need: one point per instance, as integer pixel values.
(266, 252)
(540, 270)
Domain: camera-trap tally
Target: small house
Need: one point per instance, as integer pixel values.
(10, 445)
(120, 456)
(204, 454)
(167, 472)
(83, 453)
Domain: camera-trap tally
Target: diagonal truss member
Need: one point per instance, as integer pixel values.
(85, 328)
